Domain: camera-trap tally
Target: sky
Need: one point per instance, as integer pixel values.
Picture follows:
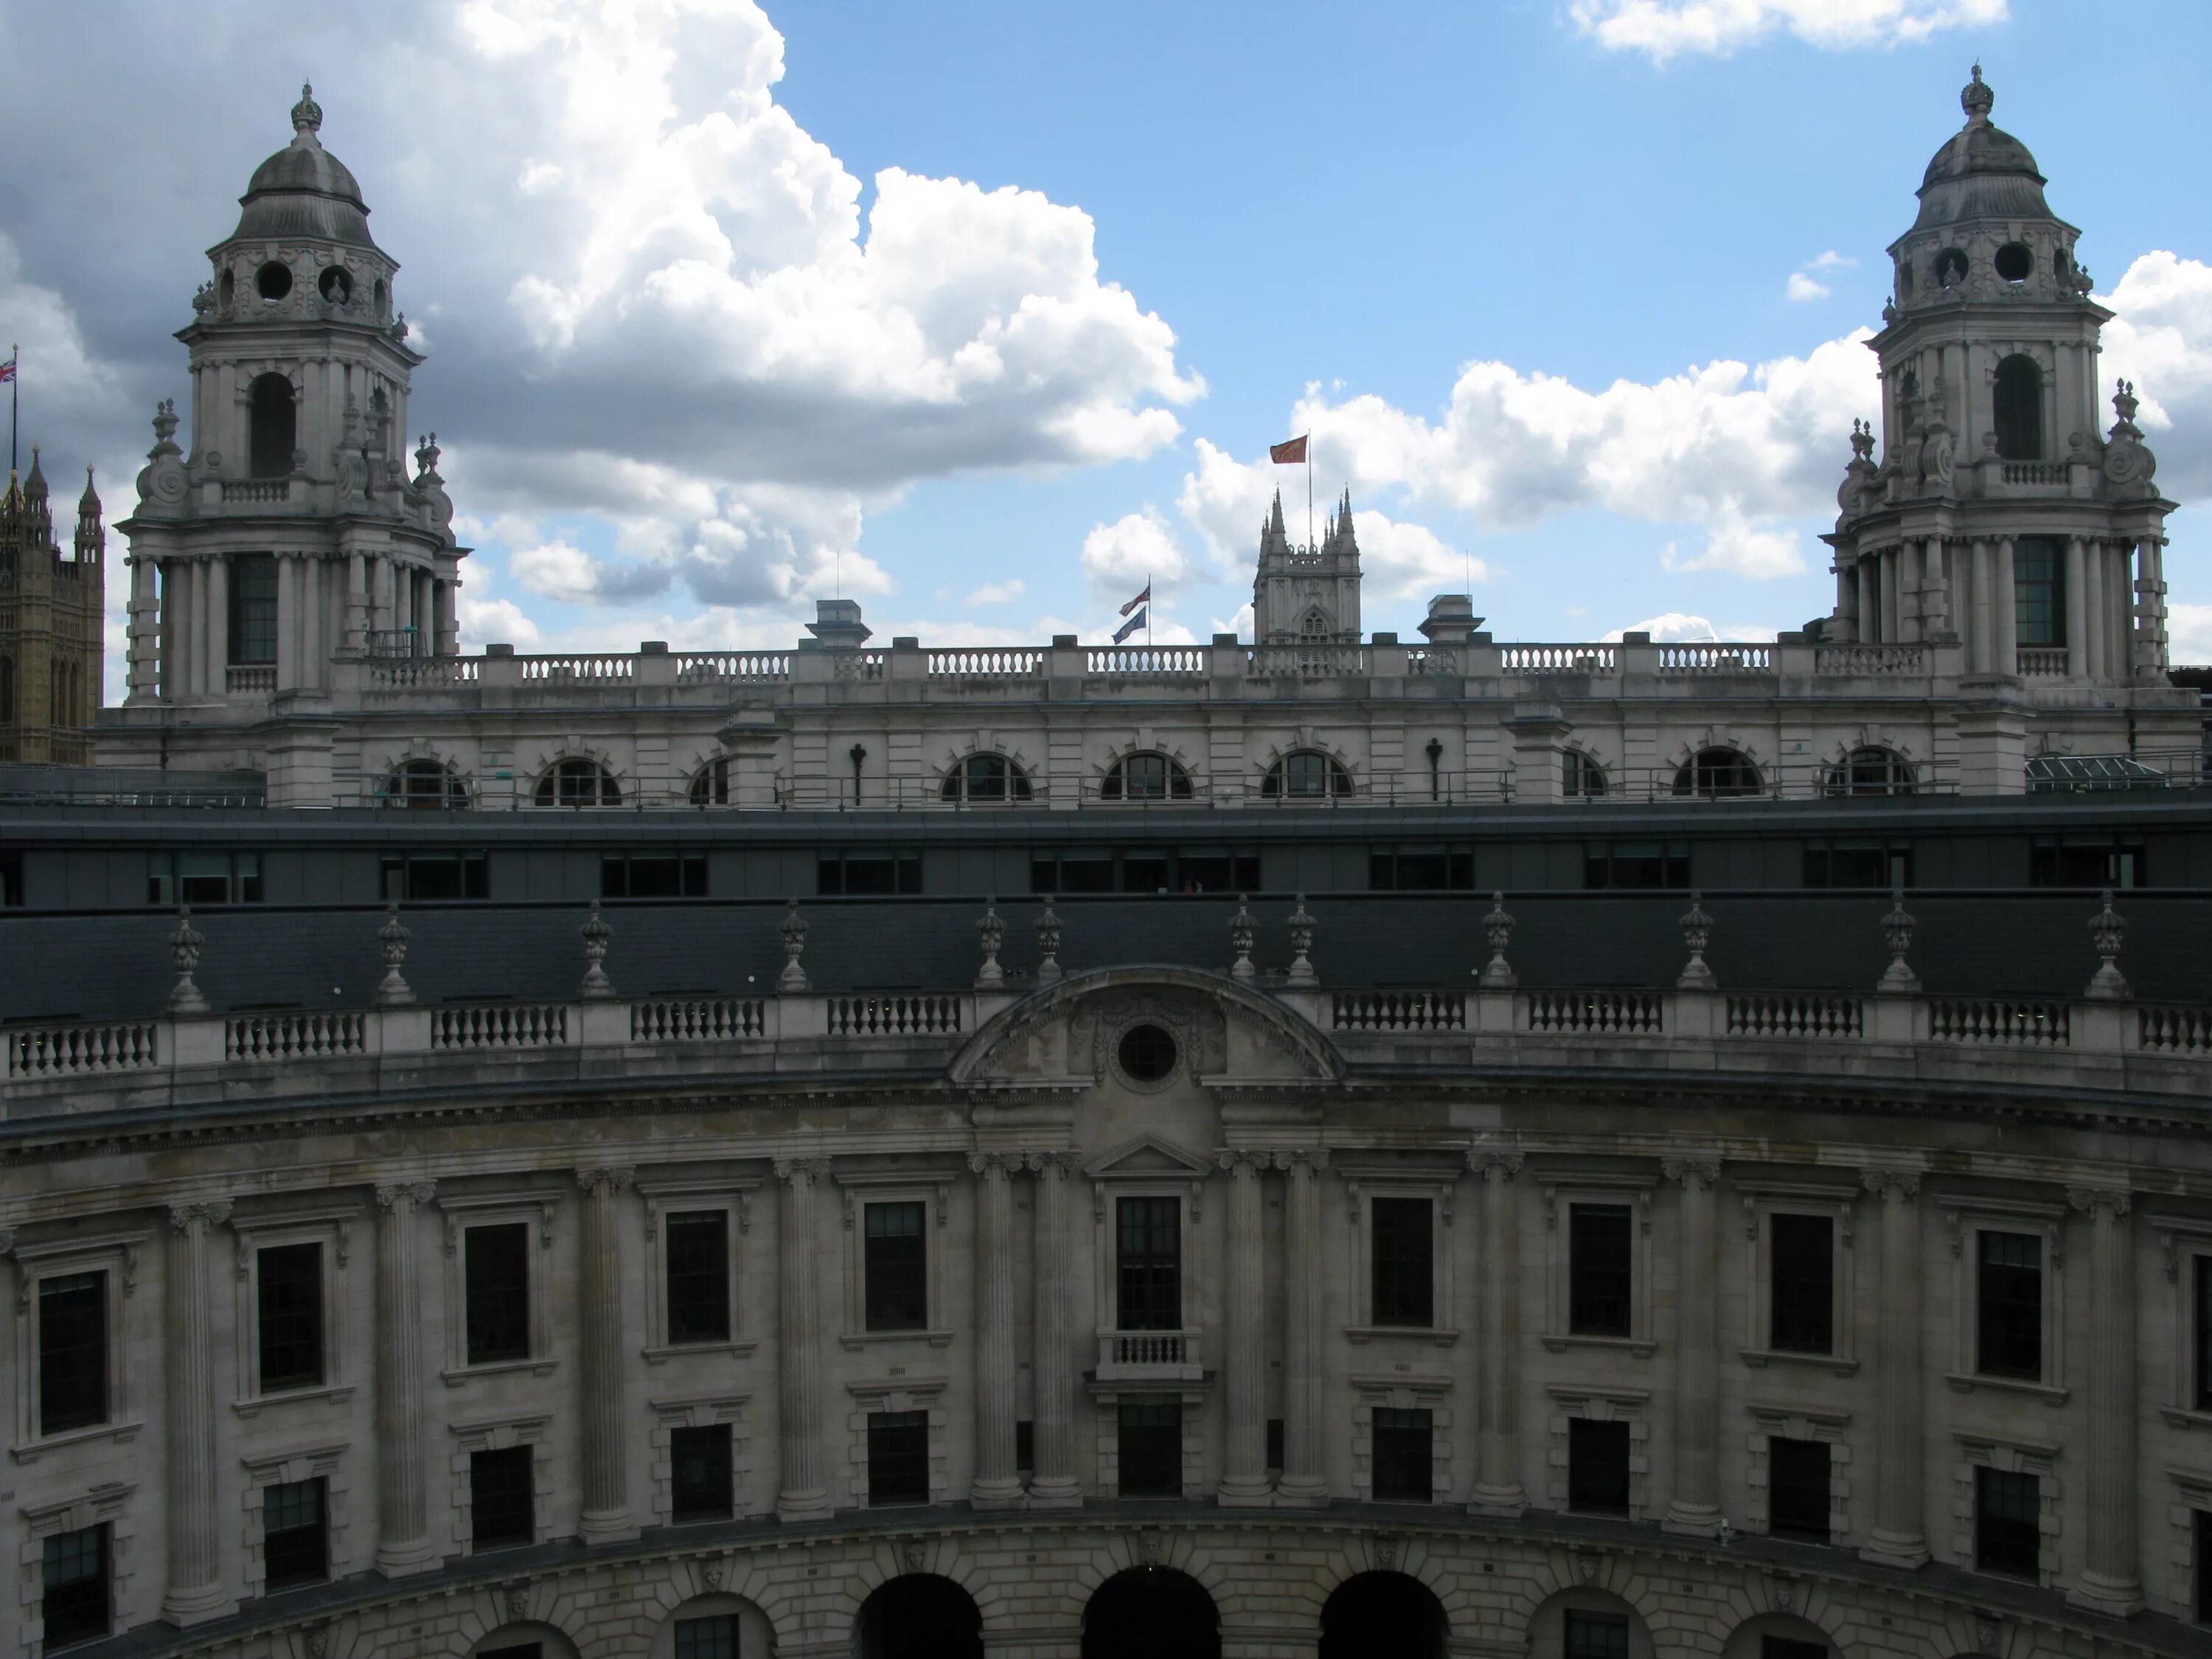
(984, 313)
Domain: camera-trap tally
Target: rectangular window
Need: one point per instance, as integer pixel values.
(2039, 588)
(1025, 1447)
(653, 875)
(1595, 1634)
(1636, 864)
(1597, 1467)
(2007, 1524)
(203, 877)
(2009, 1303)
(1072, 869)
(416, 877)
(2202, 1345)
(497, 1270)
(288, 1315)
(1150, 1445)
(896, 1266)
(1600, 1261)
(1275, 1445)
(294, 1541)
(72, 1352)
(11, 879)
(698, 1244)
(1877, 864)
(714, 1637)
(1797, 1496)
(1216, 870)
(253, 607)
(867, 874)
(898, 1457)
(1404, 1449)
(2089, 861)
(700, 1486)
(1148, 1261)
(2200, 1536)
(501, 1503)
(1802, 1290)
(1404, 1262)
(74, 1607)
(1420, 869)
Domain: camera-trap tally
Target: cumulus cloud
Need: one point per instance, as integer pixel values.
(1679, 628)
(2162, 340)
(1741, 549)
(557, 570)
(998, 593)
(2189, 630)
(1664, 29)
(1138, 547)
(1830, 261)
(1803, 287)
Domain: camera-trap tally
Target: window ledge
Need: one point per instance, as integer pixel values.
(736, 1347)
(1435, 1333)
(1965, 1382)
(461, 1374)
(335, 1392)
(1841, 1365)
(1642, 1346)
(2181, 1417)
(863, 1339)
(119, 1433)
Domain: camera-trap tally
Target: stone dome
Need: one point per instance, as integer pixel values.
(1981, 173)
(303, 190)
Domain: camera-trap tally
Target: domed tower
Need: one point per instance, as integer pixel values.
(1997, 520)
(288, 534)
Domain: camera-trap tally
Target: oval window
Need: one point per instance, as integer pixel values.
(2015, 263)
(1147, 1054)
(273, 281)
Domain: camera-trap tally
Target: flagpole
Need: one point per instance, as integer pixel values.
(14, 401)
(1310, 536)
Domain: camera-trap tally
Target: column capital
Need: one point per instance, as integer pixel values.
(407, 1194)
(1897, 1186)
(801, 1171)
(605, 1181)
(1060, 1160)
(2114, 1201)
(1001, 1164)
(1312, 1159)
(1703, 1172)
(201, 1213)
(1243, 1159)
(1494, 1162)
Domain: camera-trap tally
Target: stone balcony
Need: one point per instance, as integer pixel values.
(1149, 1357)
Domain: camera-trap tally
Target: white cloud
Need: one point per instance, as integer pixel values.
(557, 570)
(1402, 561)
(2189, 629)
(1121, 558)
(1830, 261)
(487, 621)
(1803, 287)
(1679, 628)
(1740, 550)
(1663, 29)
(2162, 340)
(997, 593)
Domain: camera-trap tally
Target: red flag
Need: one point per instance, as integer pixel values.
(1286, 454)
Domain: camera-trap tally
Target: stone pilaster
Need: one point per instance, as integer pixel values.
(1305, 1481)
(1497, 1489)
(803, 1484)
(998, 1483)
(1053, 1484)
(1244, 1360)
(1696, 1509)
(403, 1539)
(196, 1592)
(599, 1367)
(2111, 1580)
(1899, 1538)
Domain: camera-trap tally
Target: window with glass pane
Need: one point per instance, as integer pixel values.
(1803, 1283)
(74, 1604)
(288, 1315)
(497, 1286)
(896, 1266)
(1797, 1482)
(1404, 1262)
(252, 607)
(701, 1487)
(72, 1352)
(294, 1541)
(2010, 1297)
(1599, 1269)
(698, 1243)
(712, 1638)
(2202, 1343)
(1404, 1441)
(1597, 1466)
(2200, 1535)
(1148, 1261)
(898, 1457)
(2007, 1522)
(1149, 1445)
(1580, 776)
(1595, 1634)
(503, 1506)
(2039, 587)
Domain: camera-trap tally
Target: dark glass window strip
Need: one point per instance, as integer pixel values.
(294, 1538)
(2010, 1304)
(1404, 1262)
(1149, 1263)
(72, 1352)
(895, 1267)
(1405, 1470)
(501, 1503)
(701, 1485)
(898, 1457)
(1802, 1286)
(496, 1274)
(698, 1244)
(289, 1298)
(1597, 1467)
(1601, 1263)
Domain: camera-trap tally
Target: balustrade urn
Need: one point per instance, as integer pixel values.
(1244, 1473)
(196, 1589)
(1497, 974)
(2106, 928)
(1697, 933)
(596, 934)
(601, 1361)
(990, 933)
(998, 1483)
(402, 1543)
(391, 943)
(184, 946)
(1898, 979)
(1301, 937)
(1242, 926)
(804, 1484)
(1049, 927)
(793, 930)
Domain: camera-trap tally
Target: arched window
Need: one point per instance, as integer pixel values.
(1146, 777)
(273, 426)
(919, 1613)
(710, 784)
(575, 782)
(987, 778)
(424, 784)
(1717, 774)
(1871, 771)
(1305, 775)
(1315, 625)
(2018, 413)
(1580, 777)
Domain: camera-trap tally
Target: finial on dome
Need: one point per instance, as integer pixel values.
(1976, 98)
(307, 114)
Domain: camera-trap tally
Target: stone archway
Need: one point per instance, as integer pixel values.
(1151, 1613)
(920, 1616)
(1384, 1615)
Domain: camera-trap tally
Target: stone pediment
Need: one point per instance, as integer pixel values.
(1148, 1154)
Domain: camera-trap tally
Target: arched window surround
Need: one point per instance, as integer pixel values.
(1306, 774)
(1870, 768)
(1147, 774)
(985, 778)
(576, 781)
(1718, 771)
(424, 783)
(272, 420)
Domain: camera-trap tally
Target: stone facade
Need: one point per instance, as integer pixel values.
(51, 624)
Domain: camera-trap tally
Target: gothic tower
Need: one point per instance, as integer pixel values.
(51, 611)
(1303, 593)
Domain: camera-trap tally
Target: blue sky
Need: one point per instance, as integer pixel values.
(982, 313)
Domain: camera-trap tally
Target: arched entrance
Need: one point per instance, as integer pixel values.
(1382, 1616)
(1151, 1613)
(919, 1615)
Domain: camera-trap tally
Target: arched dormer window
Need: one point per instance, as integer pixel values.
(2017, 408)
(710, 784)
(1870, 771)
(1717, 774)
(577, 782)
(1314, 626)
(1581, 778)
(273, 427)
(424, 784)
(1305, 775)
(986, 779)
(1148, 776)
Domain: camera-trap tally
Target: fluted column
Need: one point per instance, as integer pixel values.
(1053, 1484)
(1899, 1538)
(216, 661)
(804, 1483)
(998, 1483)
(196, 1589)
(2111, 1580)
(1305, 1481)
(2005, 609)
(357, 619)
(1696, 1508)
(403, 1530)
(599, 1365)
(1497, 1489)
(1244, 1337)
(288, 621)
(2077, 613)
